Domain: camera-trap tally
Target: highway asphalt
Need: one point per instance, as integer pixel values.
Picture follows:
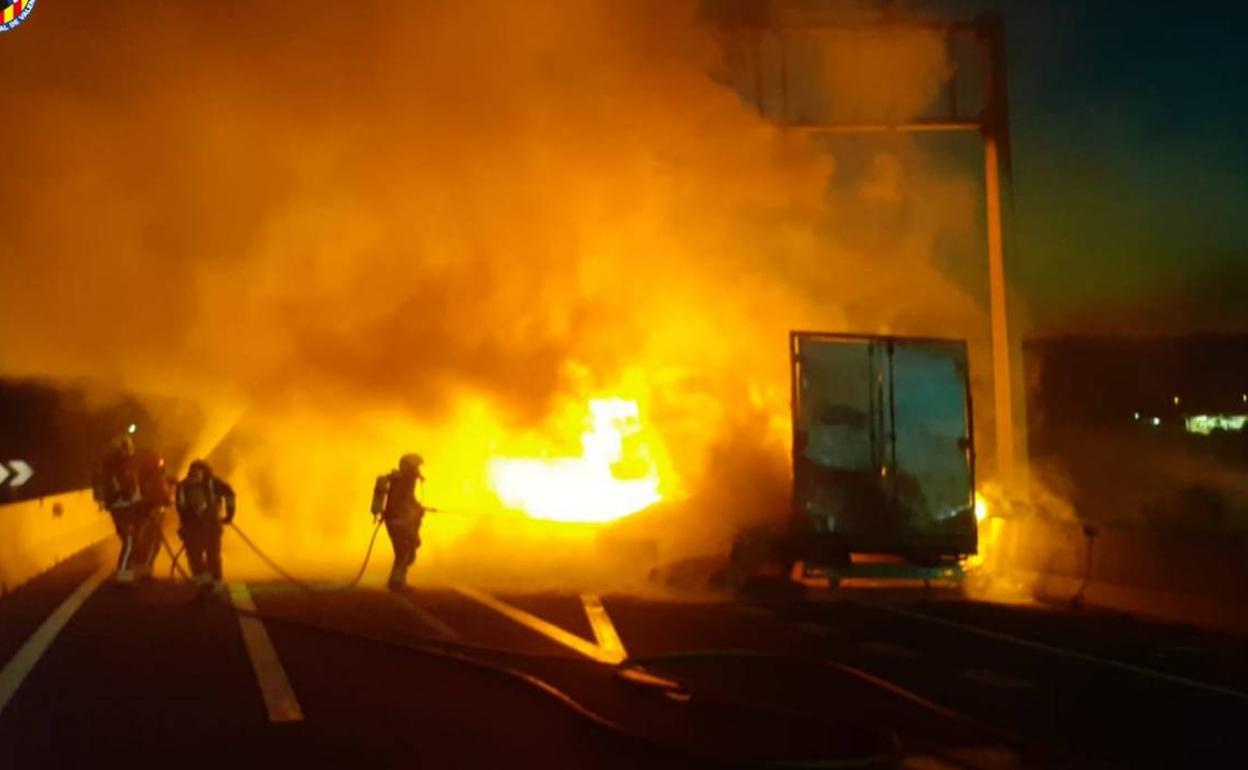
(454, 676)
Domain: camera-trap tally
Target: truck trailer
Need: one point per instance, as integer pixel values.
(883, 462)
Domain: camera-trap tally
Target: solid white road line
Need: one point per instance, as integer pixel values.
(546, 629)
(279, 698)
(17, 669)
(1082, 656)
(604, 629)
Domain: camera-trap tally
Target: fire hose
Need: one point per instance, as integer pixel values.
(1005, 736)
(264, 557)
(301, 583)
(359, 575)
(886, 746)
(367, 554)
(173, 557)
(176, 567)
(883, 749)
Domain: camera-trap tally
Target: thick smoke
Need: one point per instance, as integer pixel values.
(350, 231)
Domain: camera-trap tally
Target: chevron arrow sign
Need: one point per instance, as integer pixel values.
(15, 472)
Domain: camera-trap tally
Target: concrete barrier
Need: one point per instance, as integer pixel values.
(1174, 576)
(37, 534)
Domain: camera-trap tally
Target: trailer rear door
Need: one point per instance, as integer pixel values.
(882, 454)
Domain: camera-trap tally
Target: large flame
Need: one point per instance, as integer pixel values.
(470, 255)
(615, 474)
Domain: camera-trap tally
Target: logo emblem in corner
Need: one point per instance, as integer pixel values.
(14, 12)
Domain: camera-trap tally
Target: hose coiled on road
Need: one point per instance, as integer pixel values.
(887, 752)
(459, 653)
(889, 749)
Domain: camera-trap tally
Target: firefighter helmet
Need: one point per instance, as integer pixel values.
(411, 463)
(150, 460)
(123, 443)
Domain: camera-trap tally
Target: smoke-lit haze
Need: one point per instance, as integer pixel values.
(347, 231)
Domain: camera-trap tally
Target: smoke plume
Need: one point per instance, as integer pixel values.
(350, 231)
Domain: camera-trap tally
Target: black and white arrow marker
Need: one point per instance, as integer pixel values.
(17, 473)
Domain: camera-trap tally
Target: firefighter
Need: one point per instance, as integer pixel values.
(149, 514)
(117, 490)
(395, 502)
(200, 497)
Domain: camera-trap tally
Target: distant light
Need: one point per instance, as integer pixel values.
(981, 508)
(1245, 398)
(1156, 421)
(1176, 400)
(1204, 424)
(132, 428)
(1136, 415)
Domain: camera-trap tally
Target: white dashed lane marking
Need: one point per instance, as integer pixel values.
(279, 699)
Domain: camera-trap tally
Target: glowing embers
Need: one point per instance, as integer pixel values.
(1204, 424)
(613, 477)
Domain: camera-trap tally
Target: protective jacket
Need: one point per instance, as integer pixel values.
(394, 497)
(116, 485)
(200, 502)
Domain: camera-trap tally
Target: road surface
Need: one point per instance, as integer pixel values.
(451, 676)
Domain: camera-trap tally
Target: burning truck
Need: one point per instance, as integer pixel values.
(883, 464)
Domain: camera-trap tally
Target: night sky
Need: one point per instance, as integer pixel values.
(1130, 125)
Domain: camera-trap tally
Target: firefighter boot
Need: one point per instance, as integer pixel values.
(398, 577)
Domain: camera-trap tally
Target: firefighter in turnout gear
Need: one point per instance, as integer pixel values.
(200, 497)
(395, 502)
(117, 490)
(155, 495)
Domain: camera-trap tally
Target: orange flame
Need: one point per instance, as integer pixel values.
(614, 476)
